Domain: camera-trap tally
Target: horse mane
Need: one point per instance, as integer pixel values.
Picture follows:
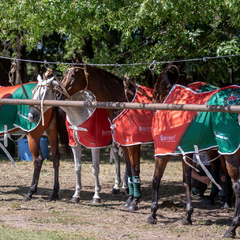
(166, 79)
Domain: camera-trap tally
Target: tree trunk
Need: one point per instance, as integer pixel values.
(21, 66)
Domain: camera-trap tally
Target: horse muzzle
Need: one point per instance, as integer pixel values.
(33, 116)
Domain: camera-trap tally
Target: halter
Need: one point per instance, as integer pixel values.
(39, 86)
(62, 88)
(84, 68)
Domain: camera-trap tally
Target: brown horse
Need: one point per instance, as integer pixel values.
(54, 126)
(161, 90)
(108, 88)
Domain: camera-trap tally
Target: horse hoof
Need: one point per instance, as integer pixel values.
(75, 200)
(128, 202)
(152, 220)
(133, 206)
(229, 234)
(115, 191)
(53, 198)
(96, 200)
(186, 222)
(26, 198)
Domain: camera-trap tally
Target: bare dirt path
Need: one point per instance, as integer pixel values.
(107, 220)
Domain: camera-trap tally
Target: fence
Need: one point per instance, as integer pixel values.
(125, 105)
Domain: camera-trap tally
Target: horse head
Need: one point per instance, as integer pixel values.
(44, 90)
(75, 79)
(165, 81)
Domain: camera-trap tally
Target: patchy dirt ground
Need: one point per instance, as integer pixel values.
(107, 220)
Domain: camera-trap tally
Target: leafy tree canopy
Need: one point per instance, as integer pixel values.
(138, 31)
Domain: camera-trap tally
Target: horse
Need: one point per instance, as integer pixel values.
(110, 88)
(45, 89)
(15, 119)
(180, 131)
(217, 162)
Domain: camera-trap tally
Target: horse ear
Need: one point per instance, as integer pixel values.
(55, 83)
(80, 58)
(39, 78)
(49, 81)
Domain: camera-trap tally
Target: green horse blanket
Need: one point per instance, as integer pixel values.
(15, 116)
(171, 129)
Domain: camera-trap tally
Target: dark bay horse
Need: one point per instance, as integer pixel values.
(108, 88)
(224, 134)
(54, 126)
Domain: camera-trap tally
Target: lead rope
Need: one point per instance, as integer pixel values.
(64, 91)
(11, 77)
(205, 169)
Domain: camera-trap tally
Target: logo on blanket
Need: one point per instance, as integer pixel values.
(106, 133)
(233, 98)
(145, 129)
(168, 138)
(221, 136)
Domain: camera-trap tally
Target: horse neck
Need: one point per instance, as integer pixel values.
(162, 87)
(106, 88)
(78, 115)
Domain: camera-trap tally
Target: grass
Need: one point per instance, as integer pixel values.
(23, 234)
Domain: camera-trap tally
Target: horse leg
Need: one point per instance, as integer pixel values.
(116, 188)
(160, 166)
(125, 189)
(227, 184)
(95, 170)
(34, 147)
(117, 159)
(187, 170)
(129, 177)
(233, 166)
(134, 178)
(77, 155)
(52, 134)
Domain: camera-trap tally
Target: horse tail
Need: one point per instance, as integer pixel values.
(62, 130)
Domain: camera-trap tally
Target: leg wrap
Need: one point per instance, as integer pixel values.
(136, 186)
(130, 185)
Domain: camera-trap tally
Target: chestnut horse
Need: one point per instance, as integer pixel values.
(54, 126)
(226, 139)
(108, 88)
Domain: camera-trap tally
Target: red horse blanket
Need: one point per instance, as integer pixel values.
(171, 129)
(133, 126)
(95, 132)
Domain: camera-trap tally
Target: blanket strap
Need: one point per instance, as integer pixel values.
(185, 160)
(5, 136)
(8, 154)
(204, 168)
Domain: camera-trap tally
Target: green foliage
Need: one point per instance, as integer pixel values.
(130, 31)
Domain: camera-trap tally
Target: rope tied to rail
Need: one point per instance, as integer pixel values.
(11, 77)
(12, 71)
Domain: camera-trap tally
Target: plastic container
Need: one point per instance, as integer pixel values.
(24, 152)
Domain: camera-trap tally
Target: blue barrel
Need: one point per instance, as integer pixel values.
(24, 152)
